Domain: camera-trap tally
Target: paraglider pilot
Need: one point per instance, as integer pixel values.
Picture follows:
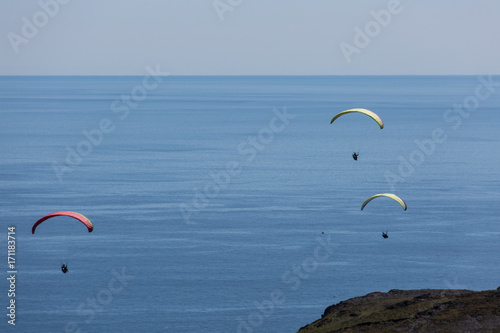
(384, 234)
(355, 156)
(64, 268)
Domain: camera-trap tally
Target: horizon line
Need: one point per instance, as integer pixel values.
(234, 75)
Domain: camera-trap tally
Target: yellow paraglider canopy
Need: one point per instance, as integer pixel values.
(369, 113)
(389, 195)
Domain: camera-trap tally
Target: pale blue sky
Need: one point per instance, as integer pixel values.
(255, 37)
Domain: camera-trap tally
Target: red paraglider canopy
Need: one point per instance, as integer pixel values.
(74, 215)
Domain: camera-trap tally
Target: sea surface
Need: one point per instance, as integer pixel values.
(231, 204)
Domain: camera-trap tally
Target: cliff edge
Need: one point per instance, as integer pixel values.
(425, 310)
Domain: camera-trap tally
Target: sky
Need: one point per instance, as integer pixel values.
(250, 37)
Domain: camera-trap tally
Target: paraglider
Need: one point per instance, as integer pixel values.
(74, 215)
(77, 216)
(369, 113)
(389, 195)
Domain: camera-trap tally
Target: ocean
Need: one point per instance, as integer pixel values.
(231, 204)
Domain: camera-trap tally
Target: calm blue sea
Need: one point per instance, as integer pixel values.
(230, 204)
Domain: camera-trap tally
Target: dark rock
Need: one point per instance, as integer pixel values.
(425, 310)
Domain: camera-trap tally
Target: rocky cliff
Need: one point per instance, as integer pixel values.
(426, 310)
